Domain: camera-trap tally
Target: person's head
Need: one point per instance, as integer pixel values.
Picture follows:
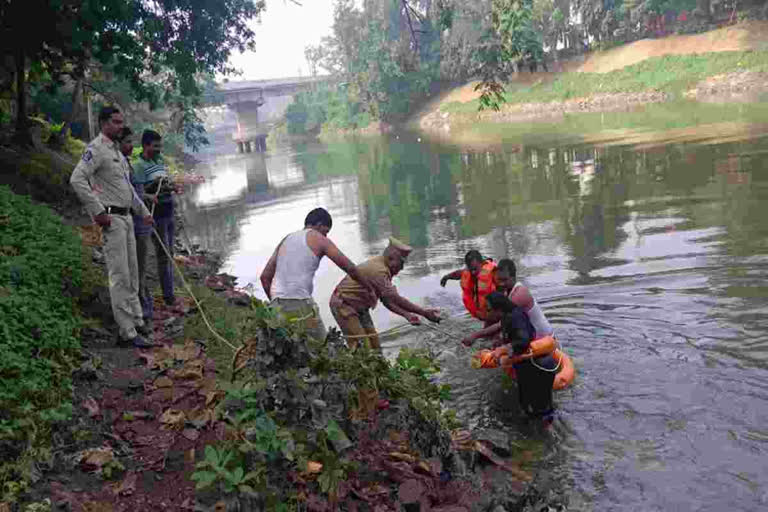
(506, 274)
(395, 255)
(320, 220)
(126, 141)
(515, 325)
(151, 144)
(111, 122)
(395, 260)
(474, 261)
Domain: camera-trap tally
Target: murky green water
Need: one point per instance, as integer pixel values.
(651, 263)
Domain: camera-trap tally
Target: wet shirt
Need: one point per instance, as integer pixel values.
(101, 179)
(378, 274)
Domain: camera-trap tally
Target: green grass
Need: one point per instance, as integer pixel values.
(672, 74)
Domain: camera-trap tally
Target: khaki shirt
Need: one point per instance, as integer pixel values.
(378, 274)
(102, 178)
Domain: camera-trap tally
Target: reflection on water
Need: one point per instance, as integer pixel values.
(650, 262)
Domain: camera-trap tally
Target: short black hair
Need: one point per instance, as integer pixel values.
(515, 324)
(150, 136)
(507, 265)
(319, 217)
(471, 256)
(125, 132)
(106, 113)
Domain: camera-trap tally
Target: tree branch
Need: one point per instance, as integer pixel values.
(410, 25)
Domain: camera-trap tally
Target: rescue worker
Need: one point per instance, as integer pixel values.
(506, 282)
(102, 183)
(150, 171)
(477, 281)
(535, 376)
(288, 276)
(351, 303)
(142, 233)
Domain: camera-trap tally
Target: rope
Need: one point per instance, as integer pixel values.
(181, 275)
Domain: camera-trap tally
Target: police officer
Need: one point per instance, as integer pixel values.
(102, 183)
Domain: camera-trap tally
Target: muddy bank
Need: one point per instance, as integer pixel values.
(455, 127)
(438, 123)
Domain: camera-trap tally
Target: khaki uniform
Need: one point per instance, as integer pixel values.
(351, 303)
(101, 180)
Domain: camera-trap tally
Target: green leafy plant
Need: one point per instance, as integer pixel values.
(38, 336)
(217, 468)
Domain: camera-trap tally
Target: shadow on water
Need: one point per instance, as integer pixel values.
(650, 262)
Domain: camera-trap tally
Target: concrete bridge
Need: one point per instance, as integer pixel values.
(259, 105)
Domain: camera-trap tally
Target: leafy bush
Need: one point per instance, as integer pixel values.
(297, 404)
(40, 272)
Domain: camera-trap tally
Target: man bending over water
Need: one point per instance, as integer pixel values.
(519, 295)
(288, 277)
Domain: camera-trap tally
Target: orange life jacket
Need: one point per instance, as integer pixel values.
(475, 291)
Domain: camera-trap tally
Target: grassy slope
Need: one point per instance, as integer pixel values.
(671, 74)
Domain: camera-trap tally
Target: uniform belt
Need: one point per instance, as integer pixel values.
(117, 210)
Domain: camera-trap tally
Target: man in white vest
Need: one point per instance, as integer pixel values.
(289, 274)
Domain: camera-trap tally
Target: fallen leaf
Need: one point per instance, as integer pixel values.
(190, 370)
(96, 458)
(424, 467)
(213, 397)
(220, 506)
(402, 456)
(127, 486)
(410, 491)
(200, 417)
(97, 506)
(314, 467)
(163, 382)
(92, 406)
(190, 433)
(172, 419)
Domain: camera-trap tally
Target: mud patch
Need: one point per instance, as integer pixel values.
(743, 86)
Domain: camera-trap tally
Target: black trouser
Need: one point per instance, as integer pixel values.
(534, 385)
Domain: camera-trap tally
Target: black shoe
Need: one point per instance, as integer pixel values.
(138, 342)
(144, 330)
(170, 301)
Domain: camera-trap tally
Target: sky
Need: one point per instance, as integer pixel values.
(281, 35)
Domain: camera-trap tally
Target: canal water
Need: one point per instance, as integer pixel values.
(650, 260)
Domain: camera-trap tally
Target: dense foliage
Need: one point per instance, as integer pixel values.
(38, 326)
(160, 50)
(297, 405)
(384, 54)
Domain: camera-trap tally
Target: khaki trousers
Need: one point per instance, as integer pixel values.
(354, 323)
(307, 311)
(122, 267)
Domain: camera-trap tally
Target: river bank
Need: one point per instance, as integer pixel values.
(725, 65)
(145, 426)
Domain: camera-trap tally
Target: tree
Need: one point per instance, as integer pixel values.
(161, 48)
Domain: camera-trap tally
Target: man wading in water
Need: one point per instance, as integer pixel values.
(519, 295)
(101, 182)
(287, 278)
(351, 303)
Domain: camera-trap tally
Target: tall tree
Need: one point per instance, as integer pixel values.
(162, 48)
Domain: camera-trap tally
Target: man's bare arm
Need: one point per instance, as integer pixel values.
(488, 332)
(269, 272)
(453, 276)
(340, 259)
